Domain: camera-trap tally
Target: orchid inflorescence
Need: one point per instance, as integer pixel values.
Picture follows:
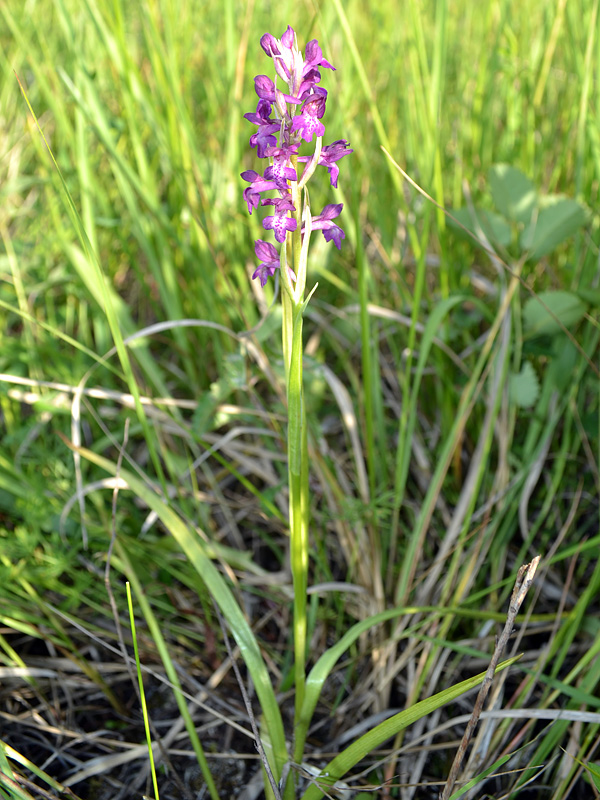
(296, 116)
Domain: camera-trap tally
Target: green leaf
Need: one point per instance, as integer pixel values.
(513, 193)
(495, 227)
(544, 313)
(558, 219)
(374, 738)
(589, 296)
(594, 773)
(193, 547)
(564, 360)
(592, 769)
(318, 674)
(524, 387)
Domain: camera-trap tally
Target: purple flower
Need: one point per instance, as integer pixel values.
(257, 185)
(280, 173)
(314, 56)
(262, 114)
(329, 155)
(307, 123)
(269, 258)
(264, 136)
(265, 89)
(323, 222)
(286, 151)
(281, 51)
(281, 204)
(300, 74)
(280, 224)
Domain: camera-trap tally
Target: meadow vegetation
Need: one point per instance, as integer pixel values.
(451, 388)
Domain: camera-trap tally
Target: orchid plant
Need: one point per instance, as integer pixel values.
(287, 115)
(285, 119)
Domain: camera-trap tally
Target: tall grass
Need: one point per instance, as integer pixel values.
(450, 441)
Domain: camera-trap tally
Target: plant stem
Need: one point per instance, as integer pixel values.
(292, 307)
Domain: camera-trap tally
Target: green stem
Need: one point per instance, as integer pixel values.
(298, 484)
(292, 310)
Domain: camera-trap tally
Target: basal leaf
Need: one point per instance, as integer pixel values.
(374, 738)
(524, 387)
(560, 218)
(544, 313)
(495, 227)
(513, 193)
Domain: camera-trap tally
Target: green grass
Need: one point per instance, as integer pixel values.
(453, 421)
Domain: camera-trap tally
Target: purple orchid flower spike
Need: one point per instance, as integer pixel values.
(289, 113)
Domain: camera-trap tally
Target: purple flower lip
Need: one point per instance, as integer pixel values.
(323, 222)
(280, 224)
(308, 122)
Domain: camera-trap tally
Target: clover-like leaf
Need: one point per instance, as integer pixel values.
(524, 386)
(544, 313)
(558, 219)
(495, 227)
(513, 193)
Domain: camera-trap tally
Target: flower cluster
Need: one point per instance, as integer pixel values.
(284, 120)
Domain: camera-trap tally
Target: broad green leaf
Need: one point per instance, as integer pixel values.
(524, 386)
(558, 219)
(513, 193)
(495, 227)
(590, 296)
(544, 313)
(564, 361)
(370, 741)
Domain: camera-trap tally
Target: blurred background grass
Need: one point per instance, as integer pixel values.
(142, 104)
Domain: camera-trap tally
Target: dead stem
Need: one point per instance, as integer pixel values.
(522, 584)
